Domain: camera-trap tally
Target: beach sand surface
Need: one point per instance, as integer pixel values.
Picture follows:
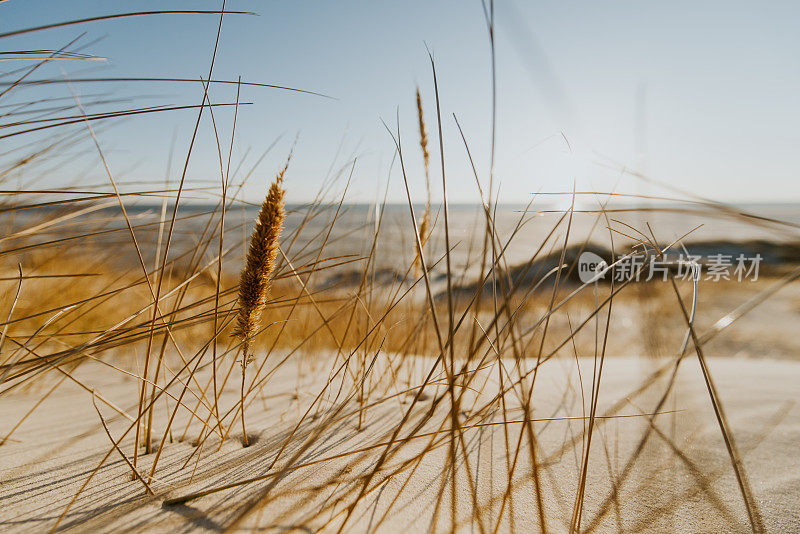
(679, 479)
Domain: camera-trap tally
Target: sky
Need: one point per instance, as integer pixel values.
(703, 97)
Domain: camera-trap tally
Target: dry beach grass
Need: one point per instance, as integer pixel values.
(443, 387)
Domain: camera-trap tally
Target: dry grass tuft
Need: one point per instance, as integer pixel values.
(424, 231)
(256, 277)
(395, 381)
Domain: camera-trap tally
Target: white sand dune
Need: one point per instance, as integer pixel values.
(681, 480)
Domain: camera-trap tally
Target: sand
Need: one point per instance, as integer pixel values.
(682, 479)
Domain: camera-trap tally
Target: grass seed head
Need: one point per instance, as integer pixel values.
(255, 279)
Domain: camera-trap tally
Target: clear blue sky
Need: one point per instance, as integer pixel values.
(718, 87)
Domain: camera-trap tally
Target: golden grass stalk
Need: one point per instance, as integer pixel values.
(255, 279)
(426, 157)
